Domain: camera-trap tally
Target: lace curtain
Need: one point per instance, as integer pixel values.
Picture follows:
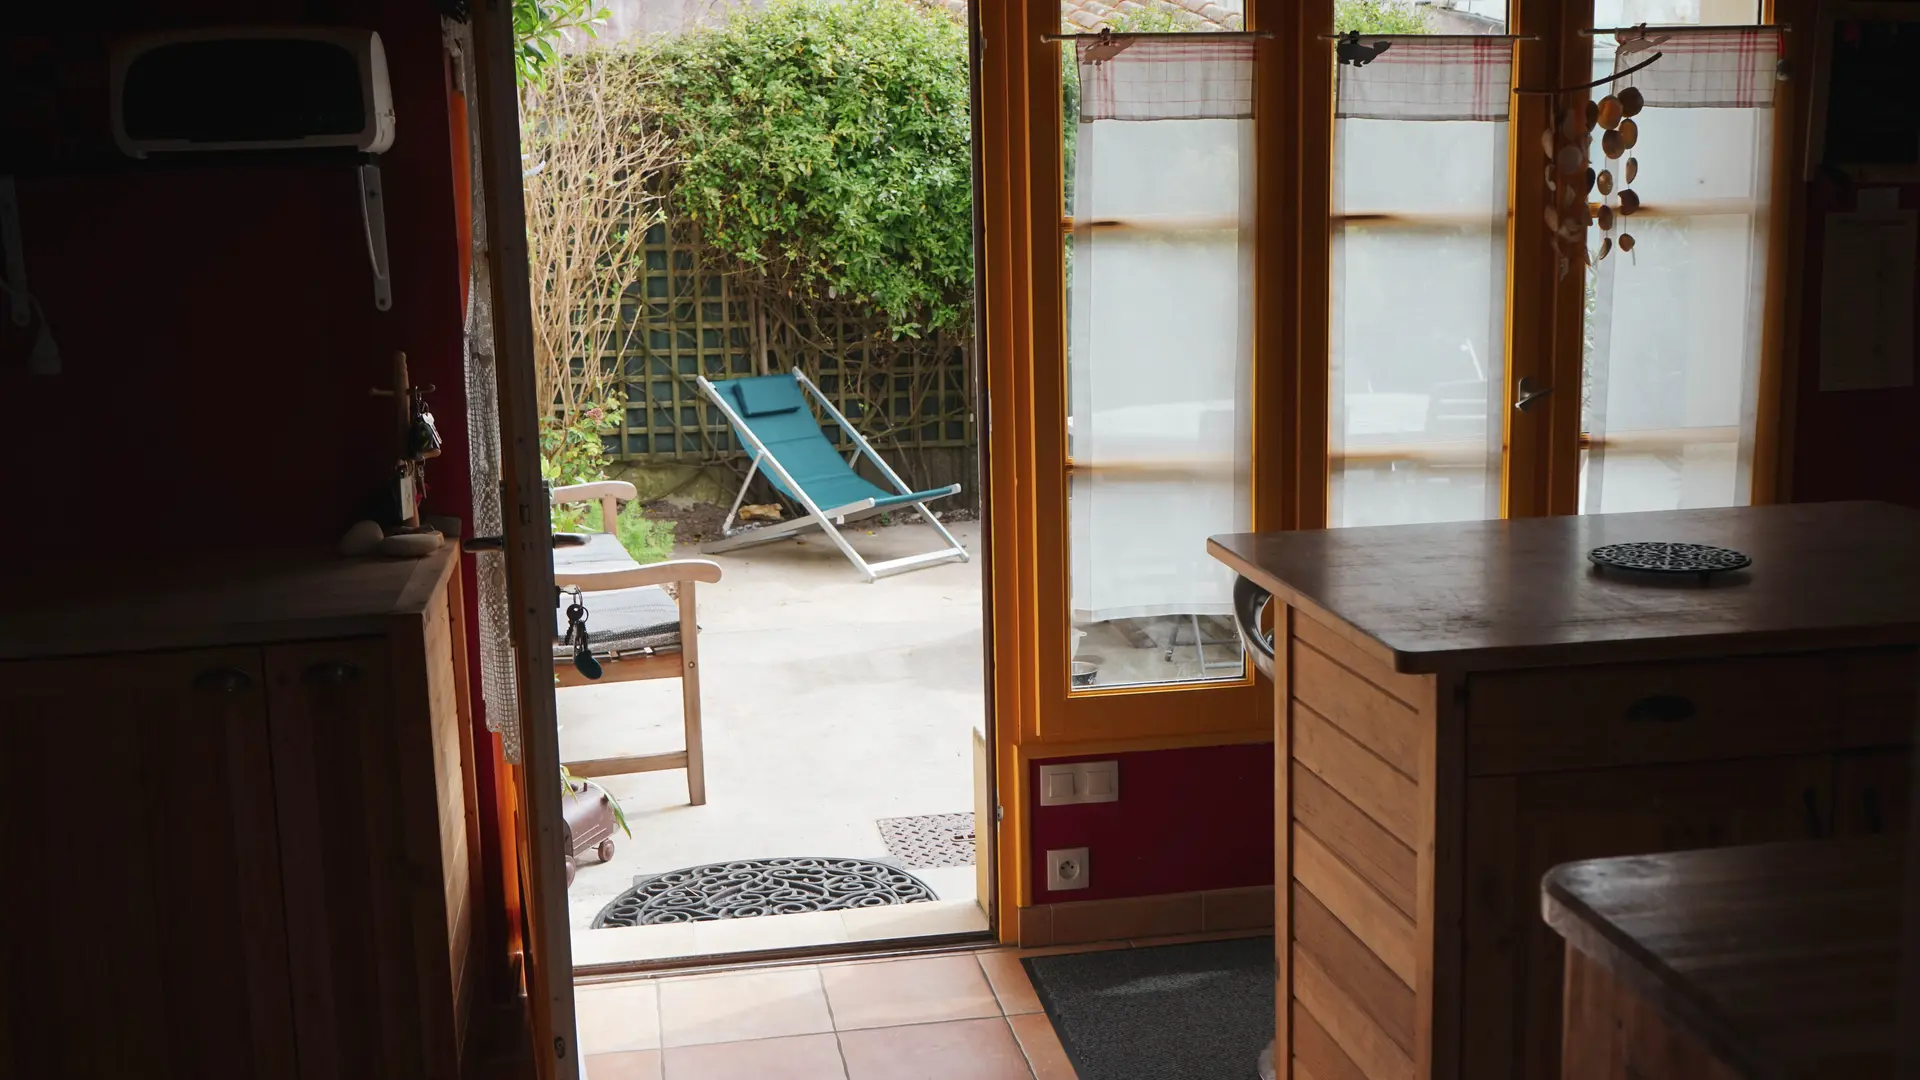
(1674, 340)
(1417, 373)
(1160, 341)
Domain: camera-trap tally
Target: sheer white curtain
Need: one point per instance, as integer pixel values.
(1160, 341)
(1419, 283)
(1674, 338)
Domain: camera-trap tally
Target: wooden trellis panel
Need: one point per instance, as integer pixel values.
(686, 315)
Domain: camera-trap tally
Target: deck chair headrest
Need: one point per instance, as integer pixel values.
(767, 395)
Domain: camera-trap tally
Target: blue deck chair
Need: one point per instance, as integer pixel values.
(772, 418)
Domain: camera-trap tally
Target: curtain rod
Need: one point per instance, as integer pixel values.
(1194, 35)
(1602, 81)
(1689, 28)
(1431, 37)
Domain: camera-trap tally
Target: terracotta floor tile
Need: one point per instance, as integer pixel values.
(1042, 1046)
(754, 1005)
(618, 1017)
(917, 991)
(631, 1065)
(957, 1050)
(1010, 983)
(799, 1057)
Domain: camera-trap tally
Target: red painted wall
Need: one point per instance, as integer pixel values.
(215, 320)
(1187, 820)
(1855, 444)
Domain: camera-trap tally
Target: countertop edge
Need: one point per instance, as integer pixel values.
(1642, 972)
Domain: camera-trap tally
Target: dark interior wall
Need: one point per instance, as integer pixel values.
(1855, 444)
(1187, 820)
(215, 319)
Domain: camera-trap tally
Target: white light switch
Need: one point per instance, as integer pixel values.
(1080, 782)
(1059, 787)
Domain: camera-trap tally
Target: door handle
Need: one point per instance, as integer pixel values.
(1525, 394)
(1660, 709)
(499, 543)
(222, 681)
(331, 673)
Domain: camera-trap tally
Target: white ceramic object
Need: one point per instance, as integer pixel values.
(361, 538)
(411, 545)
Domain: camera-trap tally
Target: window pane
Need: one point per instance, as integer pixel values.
(1159, 394)
(1419, 288)
(1673, 13)
(1672, 335)
(1421, 16)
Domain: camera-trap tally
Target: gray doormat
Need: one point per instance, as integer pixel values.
(1176, 1012)
(746, 888)
(930, 840)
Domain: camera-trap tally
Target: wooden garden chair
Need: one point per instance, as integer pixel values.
(635, 629)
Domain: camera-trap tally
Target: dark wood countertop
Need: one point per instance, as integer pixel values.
(178, 601)
(1782, 958)
(1486, 594)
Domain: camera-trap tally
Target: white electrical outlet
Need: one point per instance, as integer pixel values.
(1067, 869)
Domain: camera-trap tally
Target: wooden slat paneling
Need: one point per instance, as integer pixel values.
(1373, 717)
(1315, 1054)
(1372, 985)
(1378, 924)
(1373, 852)
(1382, 792)
(1412, 690)
(1346, 1023)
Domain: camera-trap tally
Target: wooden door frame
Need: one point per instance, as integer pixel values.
(549, 945)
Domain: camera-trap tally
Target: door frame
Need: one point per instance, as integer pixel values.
(537, 819)
(548, 963)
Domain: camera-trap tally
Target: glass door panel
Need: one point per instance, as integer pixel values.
(1417, 375)
(1158, 270)
(1671, 344)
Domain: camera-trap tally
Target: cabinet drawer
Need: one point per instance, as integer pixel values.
(1635, 714)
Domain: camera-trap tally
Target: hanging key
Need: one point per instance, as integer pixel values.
(576, 636)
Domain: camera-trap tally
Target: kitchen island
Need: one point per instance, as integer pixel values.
(1460, 707)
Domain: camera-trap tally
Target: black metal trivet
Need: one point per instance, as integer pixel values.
(929, 840)
(746, 888)
(1668, 558)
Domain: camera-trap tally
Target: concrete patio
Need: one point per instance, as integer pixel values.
(829, 703)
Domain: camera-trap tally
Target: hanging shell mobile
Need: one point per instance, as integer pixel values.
(1571, 177)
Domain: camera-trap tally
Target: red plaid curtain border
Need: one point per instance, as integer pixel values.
(1430, 80)
(1191, 78)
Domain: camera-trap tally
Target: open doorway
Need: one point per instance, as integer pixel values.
(750, 243)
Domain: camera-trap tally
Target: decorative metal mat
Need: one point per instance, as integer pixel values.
(930, 840)
(746, 888)
(1665, 558)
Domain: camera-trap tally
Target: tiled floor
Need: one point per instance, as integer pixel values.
(950, 1016)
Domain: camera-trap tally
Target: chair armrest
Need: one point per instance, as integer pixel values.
(660, 573)
(598, 489)
(611, 494)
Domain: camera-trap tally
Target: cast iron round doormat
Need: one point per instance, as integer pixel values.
(746, 888)
(1666, 558)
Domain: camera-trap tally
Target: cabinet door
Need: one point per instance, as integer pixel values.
(1518, 828)
(1872, 792)
(141, 932)
(348, 882)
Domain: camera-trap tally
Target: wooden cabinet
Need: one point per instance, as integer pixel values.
(1778, 960)
(248, 859)
(1872, 792)
(1520, 827)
